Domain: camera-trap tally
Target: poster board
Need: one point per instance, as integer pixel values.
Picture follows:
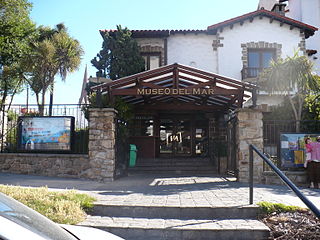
(43, 134)
(293, 150)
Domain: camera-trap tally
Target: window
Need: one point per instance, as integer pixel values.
(258, 59)
(151, 60)
(142, 126)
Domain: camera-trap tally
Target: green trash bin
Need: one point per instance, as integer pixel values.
(132, 155)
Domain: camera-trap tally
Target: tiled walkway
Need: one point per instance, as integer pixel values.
(184, 191)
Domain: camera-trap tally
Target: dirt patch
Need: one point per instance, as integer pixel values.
(298, 225)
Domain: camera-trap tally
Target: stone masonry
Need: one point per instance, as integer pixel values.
(102, 144)
(249, 131)
(99, 164)
(58, 165)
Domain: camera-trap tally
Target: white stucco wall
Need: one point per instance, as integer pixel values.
(308, 11)
(192, 50)
(294, 7)
(230, 54)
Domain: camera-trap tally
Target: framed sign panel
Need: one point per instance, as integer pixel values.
(45, 133)
(292, 148)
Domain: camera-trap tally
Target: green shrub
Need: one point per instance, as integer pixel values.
(268, 208)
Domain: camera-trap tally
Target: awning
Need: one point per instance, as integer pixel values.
(179, 87)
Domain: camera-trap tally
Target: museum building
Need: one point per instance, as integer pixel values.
(194, 79)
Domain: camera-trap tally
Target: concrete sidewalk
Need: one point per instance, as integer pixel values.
(171, 191)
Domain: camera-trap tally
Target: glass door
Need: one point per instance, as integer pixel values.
(166, 139)
(183, 141)
(175, 137)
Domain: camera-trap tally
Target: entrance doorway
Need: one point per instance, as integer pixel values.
(175, 137)
(182, 136)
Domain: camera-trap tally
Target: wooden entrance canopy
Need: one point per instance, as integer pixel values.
(179, 87)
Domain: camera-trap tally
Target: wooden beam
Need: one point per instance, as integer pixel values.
(142, 75)
(119, 92)
(161, 79)
(175, 77)
(190, 79)
(199, 85)
(150, 85)
(180, 107)
(240, 98)
(192, 90)
(232, 100)
(225, 80)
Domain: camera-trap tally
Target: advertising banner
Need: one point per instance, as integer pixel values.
(293, 150)
(45, 133)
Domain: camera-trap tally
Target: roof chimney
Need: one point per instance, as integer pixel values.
(279, 8)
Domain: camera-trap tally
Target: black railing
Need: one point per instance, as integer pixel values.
(283, 177)
(272, 130)
(9, 124)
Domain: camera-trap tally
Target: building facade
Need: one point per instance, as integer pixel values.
(238, 48)
(307, 11)
(195, 78)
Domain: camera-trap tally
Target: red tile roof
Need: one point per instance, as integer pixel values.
(309, 30)
(156, 33)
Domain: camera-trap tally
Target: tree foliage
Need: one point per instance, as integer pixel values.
(16, 32)
(119, 57)
(293, 78)
(53, 53)
(312, 107)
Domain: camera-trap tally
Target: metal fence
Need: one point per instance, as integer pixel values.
(273, 128)
(9, 124)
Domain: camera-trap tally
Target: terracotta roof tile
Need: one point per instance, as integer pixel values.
(309, 30)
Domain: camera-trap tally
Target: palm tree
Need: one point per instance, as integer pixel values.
(68, 58)
(293, 78)
(55, 52)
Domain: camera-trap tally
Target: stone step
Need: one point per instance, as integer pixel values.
(177, 229)
(189, 170)
(176, 160)
(188, 165)
(185, 168)
(174, 163)
(156, 170)
(243, 212)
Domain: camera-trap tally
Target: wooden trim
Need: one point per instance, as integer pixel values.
(148, 74)
(180, 107)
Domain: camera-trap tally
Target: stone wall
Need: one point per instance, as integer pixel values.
(102, 144)
(249, 130)
(61, 165)
(299, 178)
(99, 164)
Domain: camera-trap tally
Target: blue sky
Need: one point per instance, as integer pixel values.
(85, 18)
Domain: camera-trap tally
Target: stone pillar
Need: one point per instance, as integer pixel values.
(102, 144)
(249, 130)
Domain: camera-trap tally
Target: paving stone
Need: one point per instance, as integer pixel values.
(135, 193)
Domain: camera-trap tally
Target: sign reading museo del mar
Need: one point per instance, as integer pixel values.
(175, 91)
